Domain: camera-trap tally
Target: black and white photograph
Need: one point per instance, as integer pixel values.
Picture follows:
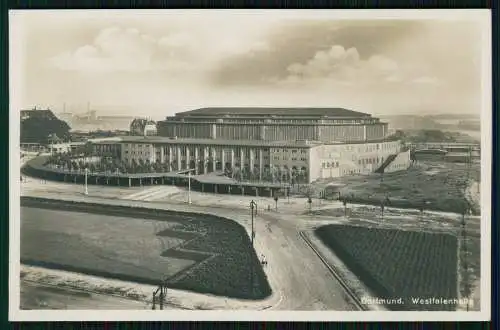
(320, 165)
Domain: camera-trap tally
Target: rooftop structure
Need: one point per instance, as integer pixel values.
(37, 113)
(275, 124)
(143, 126)
(270, 112)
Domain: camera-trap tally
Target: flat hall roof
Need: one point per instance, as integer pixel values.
(268, 112)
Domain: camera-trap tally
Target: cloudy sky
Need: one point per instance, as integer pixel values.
(158, 63)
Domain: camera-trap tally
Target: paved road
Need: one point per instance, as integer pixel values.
(38, 296)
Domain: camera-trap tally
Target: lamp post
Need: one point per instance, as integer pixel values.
(86, 177)
(253, 206)
(189, 187)
(189, 182)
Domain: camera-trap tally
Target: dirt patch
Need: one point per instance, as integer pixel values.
(437, 186)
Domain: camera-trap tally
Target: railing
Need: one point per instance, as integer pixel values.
(386, 163)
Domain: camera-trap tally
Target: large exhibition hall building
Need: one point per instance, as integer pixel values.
(267, 144)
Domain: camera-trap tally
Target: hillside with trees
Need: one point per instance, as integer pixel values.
(41, 126)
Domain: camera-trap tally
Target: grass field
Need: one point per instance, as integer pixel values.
(398, 264)
(439, 184)
(200, 253)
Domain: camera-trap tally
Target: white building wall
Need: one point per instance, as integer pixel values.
(150, 129)
(330, 161)
(400, 163)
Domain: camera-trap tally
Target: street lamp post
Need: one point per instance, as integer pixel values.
(86, 177)
(189, 187)
(253, 206)
(189, 182)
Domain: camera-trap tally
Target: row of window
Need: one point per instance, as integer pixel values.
(366, 161)
(293, 151)
(329, 164)
(365, 148)
(304, 159)
(145, 153)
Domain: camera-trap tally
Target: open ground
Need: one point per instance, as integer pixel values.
(205, 254)
(439, 186)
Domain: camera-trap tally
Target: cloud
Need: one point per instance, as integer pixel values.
(128, 50)
(425, 80)
(344, 66)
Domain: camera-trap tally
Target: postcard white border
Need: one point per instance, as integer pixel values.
(15, 314)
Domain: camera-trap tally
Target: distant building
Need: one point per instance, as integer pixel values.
(66, 116)
(64, 147)
(38, 114)
(143, 126)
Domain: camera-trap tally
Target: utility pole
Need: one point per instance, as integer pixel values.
(382, 206)
(189, 182)
(189, 187)
(253, 206)
(161, 290)
(466, 209)
(86, 192)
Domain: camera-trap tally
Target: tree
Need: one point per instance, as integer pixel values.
(293, 175)
(266, 174)
(245, 174)
(134, 166)
(41, 125)
(422, 209)
(344, 200)
(308, 191)
(88, 149)
(274, 171)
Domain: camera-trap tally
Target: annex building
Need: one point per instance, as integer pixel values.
(293, 145)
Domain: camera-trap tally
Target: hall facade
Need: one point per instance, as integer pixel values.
(267, 144)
